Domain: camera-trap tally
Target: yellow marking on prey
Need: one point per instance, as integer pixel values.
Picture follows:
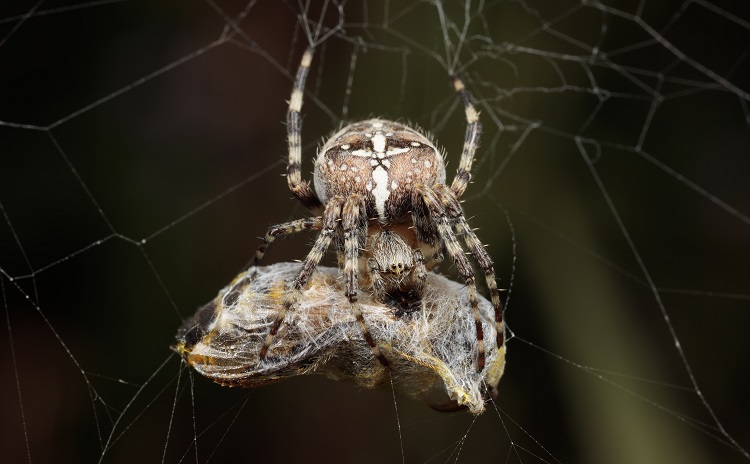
(278, 291)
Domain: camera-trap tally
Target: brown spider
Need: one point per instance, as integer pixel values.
(381, 195)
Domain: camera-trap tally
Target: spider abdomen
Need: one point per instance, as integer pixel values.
(381, 161)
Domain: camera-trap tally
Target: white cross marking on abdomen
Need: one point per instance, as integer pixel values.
(380, 190)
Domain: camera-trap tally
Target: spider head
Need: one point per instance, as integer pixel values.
(394, 257)
(380, 160)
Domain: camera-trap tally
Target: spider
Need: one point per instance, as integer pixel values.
(380, 193)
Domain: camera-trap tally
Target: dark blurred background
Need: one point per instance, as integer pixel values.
(141, 148)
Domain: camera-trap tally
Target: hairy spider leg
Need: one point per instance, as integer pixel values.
(427, 196)
(301, 189)
(471, 140)
(420, 271)
(331, 216)
(282, 230)
(461, 227)
(354, 225)
(376, 280)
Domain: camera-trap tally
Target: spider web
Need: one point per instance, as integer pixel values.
(141, 150)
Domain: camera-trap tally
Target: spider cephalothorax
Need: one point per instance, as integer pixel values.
(381, 197)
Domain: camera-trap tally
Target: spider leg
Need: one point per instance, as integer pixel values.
(434, 206)
(420, 272)
(354, 224)
(471, 141)
(331, 215)
(456, 214)
(424, 228)
(284, 229)
(376, 280)
(299, 188)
